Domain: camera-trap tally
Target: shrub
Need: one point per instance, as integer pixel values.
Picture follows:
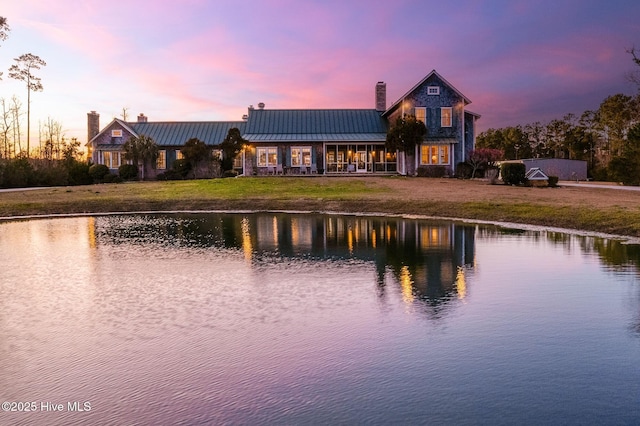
(98, 172)
(464, 171)
(79, 173)
(18, 173)
(229, 173)
(513, 173)
(553, 181)
(169, 175)
(432, 171)
(111, 178)
(182, 167)
(128, 172)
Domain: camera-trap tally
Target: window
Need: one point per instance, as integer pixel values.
(300, 156)
(216, 154)
(421, 115)
(179, 155)
(434, 154)
(237, 162)
(111, 159)
(445, 117)
(267, 157)
(161, 163)
(433, 90)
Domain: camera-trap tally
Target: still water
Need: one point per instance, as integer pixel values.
(314, 319)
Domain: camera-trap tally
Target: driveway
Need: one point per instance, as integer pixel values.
(599, 185)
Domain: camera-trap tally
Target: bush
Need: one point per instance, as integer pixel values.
(513, 173)
(464, 170)
(182, 167)
(553, 181)
(432, 171)
(169, 175)
(111, 178)
(128, 172)
(18, 173)
(98, 172)
(229, 173)
(79, 173)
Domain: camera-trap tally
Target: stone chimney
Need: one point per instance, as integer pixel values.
(142, 118)
(93, 125)
(381, 96)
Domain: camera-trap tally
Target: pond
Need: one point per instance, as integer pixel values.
(274, 318)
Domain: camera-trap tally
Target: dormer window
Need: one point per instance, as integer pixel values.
(433, 90)
(116, 133)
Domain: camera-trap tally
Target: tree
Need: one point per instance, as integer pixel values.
(22, 71)
(634, 76)
(195, 152)
(141, 150)
(4, 30)
(483, 157)
(626, 167)
(231, 147)
(405, 135)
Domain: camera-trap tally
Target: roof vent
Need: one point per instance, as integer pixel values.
(261, 105)
(245, 117)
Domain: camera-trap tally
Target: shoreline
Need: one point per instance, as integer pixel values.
(624, 239)
(583, 208)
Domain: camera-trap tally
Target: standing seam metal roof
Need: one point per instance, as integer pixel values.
(177, 133)
(318, 122)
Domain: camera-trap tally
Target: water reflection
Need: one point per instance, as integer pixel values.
(426, 261)
(315, 319)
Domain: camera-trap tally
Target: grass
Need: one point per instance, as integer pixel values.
(598, 210)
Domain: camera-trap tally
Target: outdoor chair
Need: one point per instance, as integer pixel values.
(314, 169)
(279, 169)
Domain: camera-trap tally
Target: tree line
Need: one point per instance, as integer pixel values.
(604, 138)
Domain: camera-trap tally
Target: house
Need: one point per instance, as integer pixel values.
(322, 141)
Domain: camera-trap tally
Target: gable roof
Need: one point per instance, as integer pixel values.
(315, 125)
(421, 82)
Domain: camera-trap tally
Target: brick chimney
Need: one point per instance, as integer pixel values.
(381, 96)
(142, 118)
(93, 125)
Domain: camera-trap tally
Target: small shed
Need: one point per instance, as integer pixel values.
(537, 177)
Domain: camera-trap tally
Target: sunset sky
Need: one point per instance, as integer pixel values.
(519, 61)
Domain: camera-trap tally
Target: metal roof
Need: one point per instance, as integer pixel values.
(315, 125)
(177, 133)
(316, 137)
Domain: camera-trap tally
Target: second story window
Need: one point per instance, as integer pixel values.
(433, 90)
(445, 116)
(421, 114)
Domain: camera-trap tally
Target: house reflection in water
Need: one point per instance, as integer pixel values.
(428, 260)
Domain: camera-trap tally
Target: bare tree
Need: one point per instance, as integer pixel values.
(634, 76)
(54, 141)
(16, 113)
(125, 113)
(4, 32)
(23, 71)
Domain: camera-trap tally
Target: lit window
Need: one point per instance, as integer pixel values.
(267, 157)
(216, 154)
(434, 154)
(421, 115)
(433, 90)
(300, 156)
(111, 159)
(445, 117)
(161, 163)
(179, 155)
